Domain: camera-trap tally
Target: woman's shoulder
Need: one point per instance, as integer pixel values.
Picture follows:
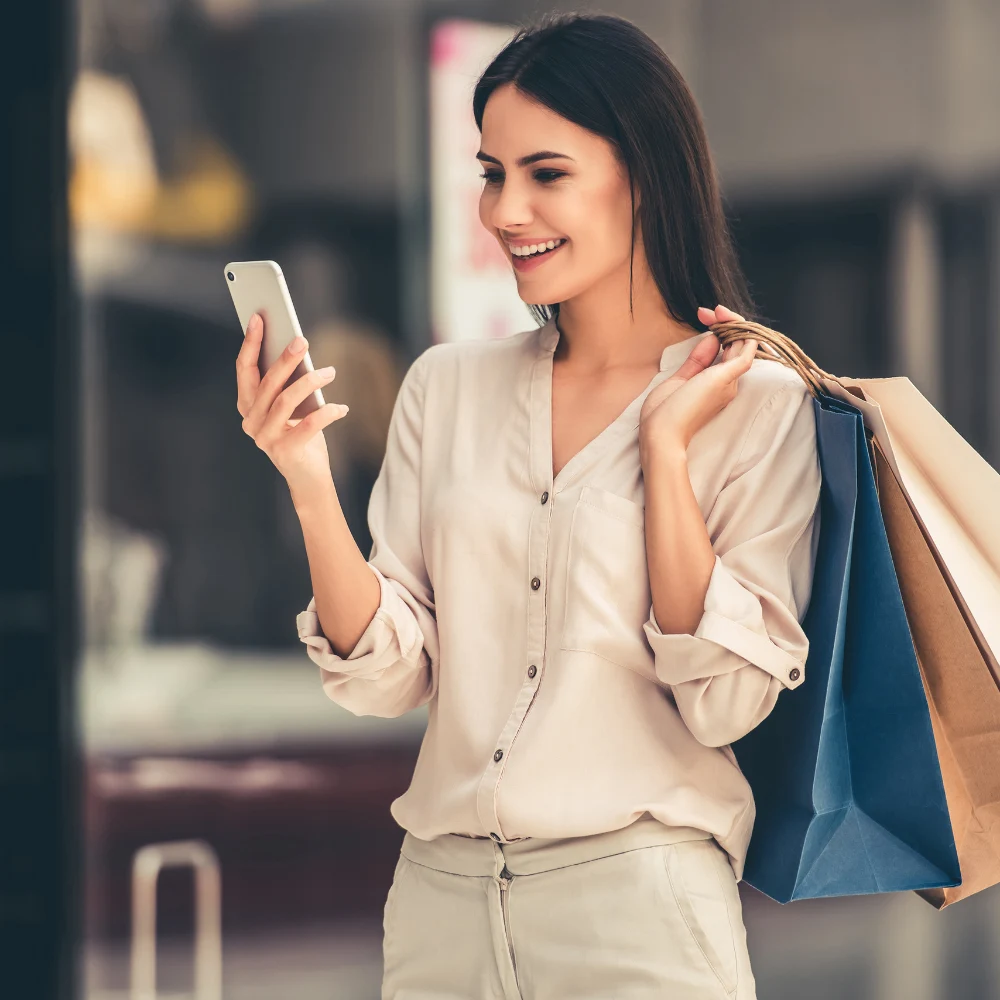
(772, 402)
(460, 356)
(490, 348)
(768, 384)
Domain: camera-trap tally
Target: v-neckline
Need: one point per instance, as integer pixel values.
(577, 458)
(549, 335)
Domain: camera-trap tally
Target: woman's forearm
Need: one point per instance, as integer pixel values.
(679, 551)
(346, 591)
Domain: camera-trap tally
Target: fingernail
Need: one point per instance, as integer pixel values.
(325, 372)
(299, 344)
(253, 322)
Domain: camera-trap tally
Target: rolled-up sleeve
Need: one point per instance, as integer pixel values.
(393, 667)
(749, 643)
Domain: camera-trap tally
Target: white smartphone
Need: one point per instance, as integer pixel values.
(258, 286)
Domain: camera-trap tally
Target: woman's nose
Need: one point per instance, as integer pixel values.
(511, 208)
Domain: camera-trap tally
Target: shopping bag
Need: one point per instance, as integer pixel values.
(954, 492)
(938, 499)
(844, 771)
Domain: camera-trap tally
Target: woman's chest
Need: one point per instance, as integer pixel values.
(584, 407)
(507, 462)
(491, 473)
(562, 555)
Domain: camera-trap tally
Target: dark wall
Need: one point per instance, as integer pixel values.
(818, 272)
(38, 490)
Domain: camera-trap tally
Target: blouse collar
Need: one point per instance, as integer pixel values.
(672, 357)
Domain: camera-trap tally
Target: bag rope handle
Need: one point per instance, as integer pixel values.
(775, 346)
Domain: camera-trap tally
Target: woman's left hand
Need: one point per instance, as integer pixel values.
(681, 405)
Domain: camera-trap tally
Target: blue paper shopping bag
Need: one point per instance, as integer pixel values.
(844, 771)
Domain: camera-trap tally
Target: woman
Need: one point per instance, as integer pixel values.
(593, 546)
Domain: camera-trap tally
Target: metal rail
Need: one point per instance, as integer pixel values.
(147, 864)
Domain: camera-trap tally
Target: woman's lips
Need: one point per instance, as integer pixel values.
(523, 264)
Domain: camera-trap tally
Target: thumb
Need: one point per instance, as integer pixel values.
(701, 357)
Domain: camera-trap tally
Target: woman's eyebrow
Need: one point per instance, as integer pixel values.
(544, 154)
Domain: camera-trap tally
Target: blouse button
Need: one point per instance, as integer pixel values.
(545, 497)
(535, 583)
(794, 674)
(532, 670)
(498, 755)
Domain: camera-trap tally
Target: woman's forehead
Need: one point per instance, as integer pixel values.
(515, 125)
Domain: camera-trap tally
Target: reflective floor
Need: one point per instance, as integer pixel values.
(331, 962)
(882, 948)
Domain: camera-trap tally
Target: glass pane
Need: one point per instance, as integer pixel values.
(208, 131)
(203, 134)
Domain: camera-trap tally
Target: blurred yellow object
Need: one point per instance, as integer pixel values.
(114, 183)
(210, 200)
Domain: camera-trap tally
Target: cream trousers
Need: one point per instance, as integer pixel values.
(642, 912)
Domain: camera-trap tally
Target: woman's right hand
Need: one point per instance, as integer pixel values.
(296, 446)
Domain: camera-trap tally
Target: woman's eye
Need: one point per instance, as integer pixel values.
(543, 176)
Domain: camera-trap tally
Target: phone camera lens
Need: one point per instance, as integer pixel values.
(230, 275)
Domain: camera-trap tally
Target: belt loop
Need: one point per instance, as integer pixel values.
(499, 861)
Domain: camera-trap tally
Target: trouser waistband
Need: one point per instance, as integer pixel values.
(531, 855)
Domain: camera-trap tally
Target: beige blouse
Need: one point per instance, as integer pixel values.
(517, 606)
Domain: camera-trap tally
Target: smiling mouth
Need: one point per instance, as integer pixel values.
(536, 249)
(529, 261)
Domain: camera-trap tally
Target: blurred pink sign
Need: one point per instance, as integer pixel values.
(473, 293)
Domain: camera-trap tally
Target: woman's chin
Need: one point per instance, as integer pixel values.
(532, 293)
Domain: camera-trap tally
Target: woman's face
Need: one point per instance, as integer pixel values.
(576, 197)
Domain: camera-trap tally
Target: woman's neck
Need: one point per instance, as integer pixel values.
(599, 332)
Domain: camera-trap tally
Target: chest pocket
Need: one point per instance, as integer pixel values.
(607, 584)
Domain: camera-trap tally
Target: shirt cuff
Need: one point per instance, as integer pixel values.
(390, 636)
(730, 634)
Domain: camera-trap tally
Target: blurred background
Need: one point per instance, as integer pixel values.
(858, 145)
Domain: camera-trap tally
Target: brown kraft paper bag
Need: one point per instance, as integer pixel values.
(963, 697)
(939, 501)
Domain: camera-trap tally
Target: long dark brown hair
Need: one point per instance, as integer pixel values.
(606, 75)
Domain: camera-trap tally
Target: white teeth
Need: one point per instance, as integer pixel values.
(535, 248)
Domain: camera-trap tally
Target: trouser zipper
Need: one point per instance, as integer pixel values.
(505, 879)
